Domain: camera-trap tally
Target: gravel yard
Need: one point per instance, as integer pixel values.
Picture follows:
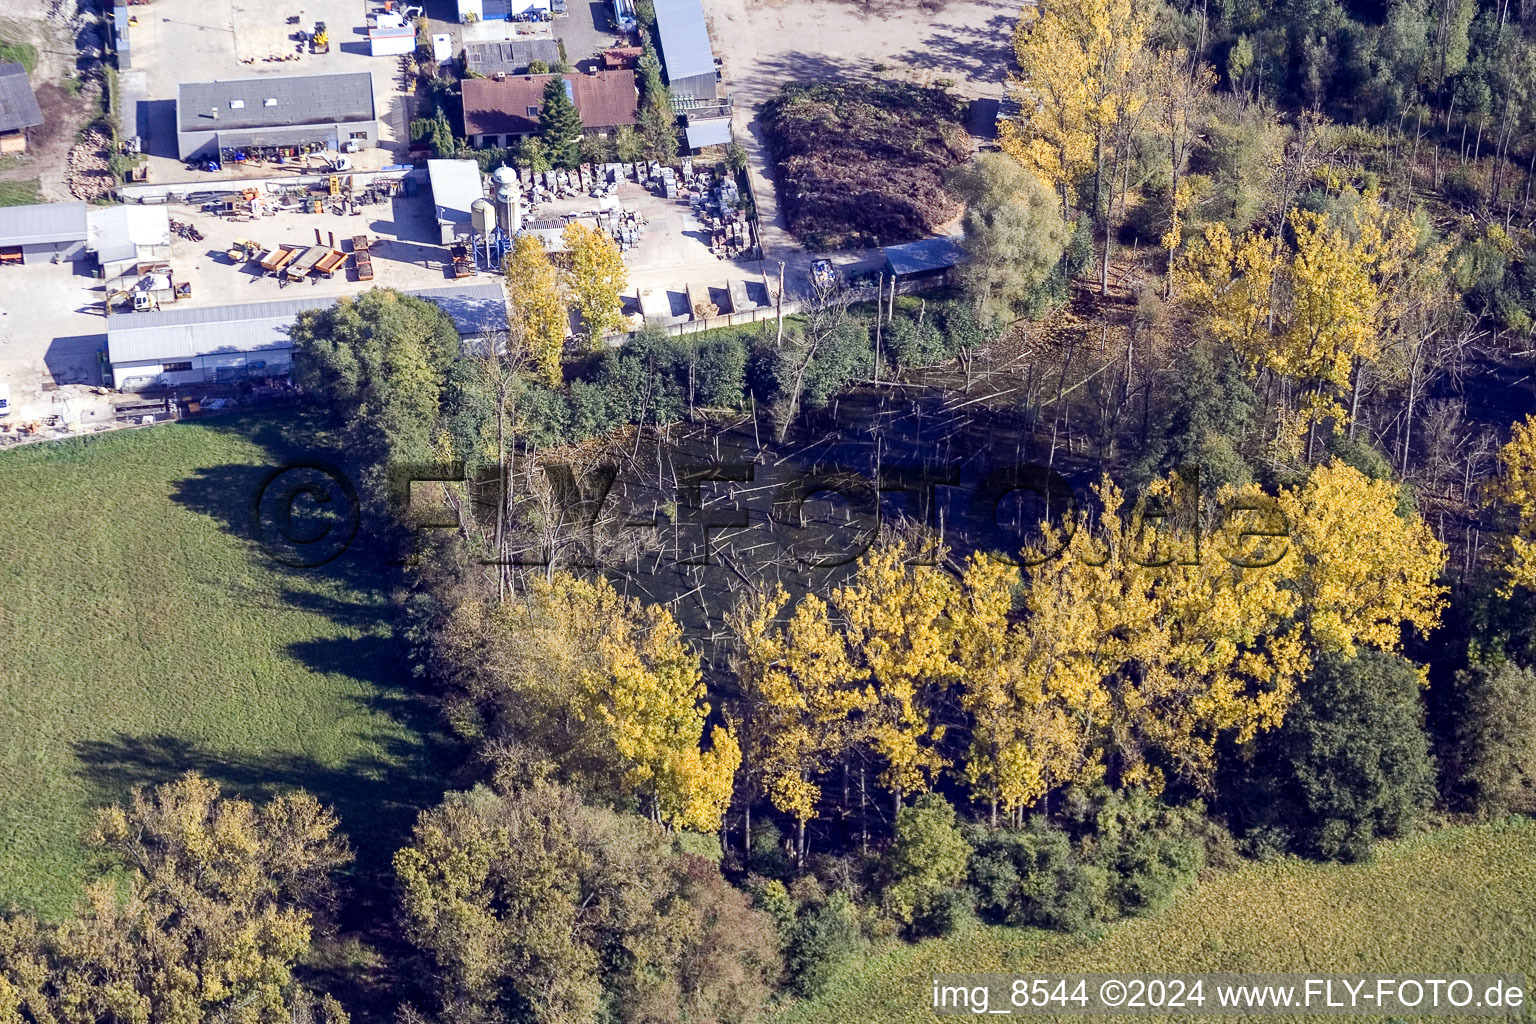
(765, 43)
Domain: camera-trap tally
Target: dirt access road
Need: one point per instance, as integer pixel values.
(764, 43)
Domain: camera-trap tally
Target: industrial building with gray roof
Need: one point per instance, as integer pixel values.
(179, 347)
(511, 56)
(686, 51)
(41, 232)
(297, 112)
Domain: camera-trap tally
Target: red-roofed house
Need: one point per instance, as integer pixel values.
(497, 112)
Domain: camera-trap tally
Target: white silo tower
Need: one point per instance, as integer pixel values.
(509, 208)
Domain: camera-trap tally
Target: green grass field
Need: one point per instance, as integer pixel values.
(19, 193)
(1460, 900)
(24, 54)
(142, 632)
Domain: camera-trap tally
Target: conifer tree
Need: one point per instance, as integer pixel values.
(560, 124)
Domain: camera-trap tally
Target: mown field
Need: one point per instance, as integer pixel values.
(1460, 900)
(142, 632)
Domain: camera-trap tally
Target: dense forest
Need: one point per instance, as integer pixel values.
(1249, 295)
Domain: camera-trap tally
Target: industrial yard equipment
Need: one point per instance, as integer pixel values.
(275, 260)
(329, 262)
(299, 269)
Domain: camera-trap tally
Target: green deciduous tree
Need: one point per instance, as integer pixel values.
(206, 912)
(382, 360)
(533, 154)
(1014, 235)
(1494, 743)
(534, 906)
(925, 868)
(1349, 765)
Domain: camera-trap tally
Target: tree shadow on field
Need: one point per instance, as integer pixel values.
(376, 795)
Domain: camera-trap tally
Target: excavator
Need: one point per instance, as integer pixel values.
(329, 160)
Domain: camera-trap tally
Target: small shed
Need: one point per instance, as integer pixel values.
(925, 263)
(19, 111)
(392, 42)
(714, 132)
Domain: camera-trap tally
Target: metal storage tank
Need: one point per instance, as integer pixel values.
(509, 209)
(482, 216)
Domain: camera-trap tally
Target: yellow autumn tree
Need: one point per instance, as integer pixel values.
(803, 697)
(1361, 566)
(536, 302)
(1229, 284)
(1025, 739)
(597, 276)
(605, 686)
(1313, 313)
(1516, 490)
(1156, 642)
(649, 693)
(1078, 64)
(899, 633)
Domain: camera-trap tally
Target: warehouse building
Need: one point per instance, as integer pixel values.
(275, 116)
(19, 111)
(43, 233)
(224, 344)
(499, 112)
(686, 53)
(693, 73)
(510, 57)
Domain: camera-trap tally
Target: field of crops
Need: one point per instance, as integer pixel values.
(142, 632)
(1459, 900)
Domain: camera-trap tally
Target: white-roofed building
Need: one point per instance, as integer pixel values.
(686, 52)
(185, 347)
(455, 186)
(123, 237)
